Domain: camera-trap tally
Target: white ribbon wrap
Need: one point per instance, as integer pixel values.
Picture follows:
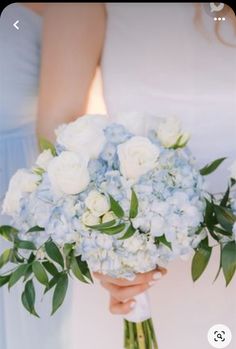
(141, 310)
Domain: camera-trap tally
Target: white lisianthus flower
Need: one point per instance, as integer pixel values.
(232, 169)
(22, 182)
(97, 203)
(89, 219)
(169, 132)
(108, 217)
(85, 135)
(44, 159)
(68, 173)
(137, 156)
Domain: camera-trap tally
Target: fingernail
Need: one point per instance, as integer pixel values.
(157, 276)
(132, 304)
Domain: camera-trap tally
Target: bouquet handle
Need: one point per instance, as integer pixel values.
(139, 331)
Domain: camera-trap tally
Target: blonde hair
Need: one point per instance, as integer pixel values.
(227, 12)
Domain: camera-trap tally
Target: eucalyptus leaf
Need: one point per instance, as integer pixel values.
(59, 292)
(54, 253)
(133, 205)
(229, 261)
(116, 208)
(40, 273)
(209, 168)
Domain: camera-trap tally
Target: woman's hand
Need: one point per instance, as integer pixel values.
(123, 291)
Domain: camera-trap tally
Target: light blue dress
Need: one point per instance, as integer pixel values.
(19, 76)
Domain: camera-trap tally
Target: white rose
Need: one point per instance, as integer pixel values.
(108, 217)
(169, 132)
(232, 169)
(137, 156)
(137, 123)
(85, 135)
(97, 203)
(89, 219)
(68, 173)
(22, 182)
(44, 159)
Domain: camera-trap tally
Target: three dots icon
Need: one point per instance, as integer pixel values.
(219, 18)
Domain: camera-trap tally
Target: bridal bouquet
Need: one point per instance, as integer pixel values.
(114, 197)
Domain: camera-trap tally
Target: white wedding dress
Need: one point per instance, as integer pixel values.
(156, 60)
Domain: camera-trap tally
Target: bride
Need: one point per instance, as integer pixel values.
(173, 58)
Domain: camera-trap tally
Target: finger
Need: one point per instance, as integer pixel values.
(141, 278)
(119, 308)
(126, 292)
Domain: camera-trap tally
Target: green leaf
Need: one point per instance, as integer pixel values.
(5, 257)
(116, 208)
(222, 231)
(225, 217)
(84, 268)
(50, 267)
(129, 232)
(28, 298)
(201, 259)
(103, 225)
(28, 273)
(54, 253)
(44, 144)
(76, 270)
(17, 274)
(39, 171)
(52, 282)
(60, 292)
(67, 248)
(220, 265)
(162, 240)
(209, 168)
(133, 205)
(25, 245)
(225, 198)
(40, 273)
(114, 230)
(35, 228)
(4, 279)
(229, 261)
(210, 218)
(8, 232)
